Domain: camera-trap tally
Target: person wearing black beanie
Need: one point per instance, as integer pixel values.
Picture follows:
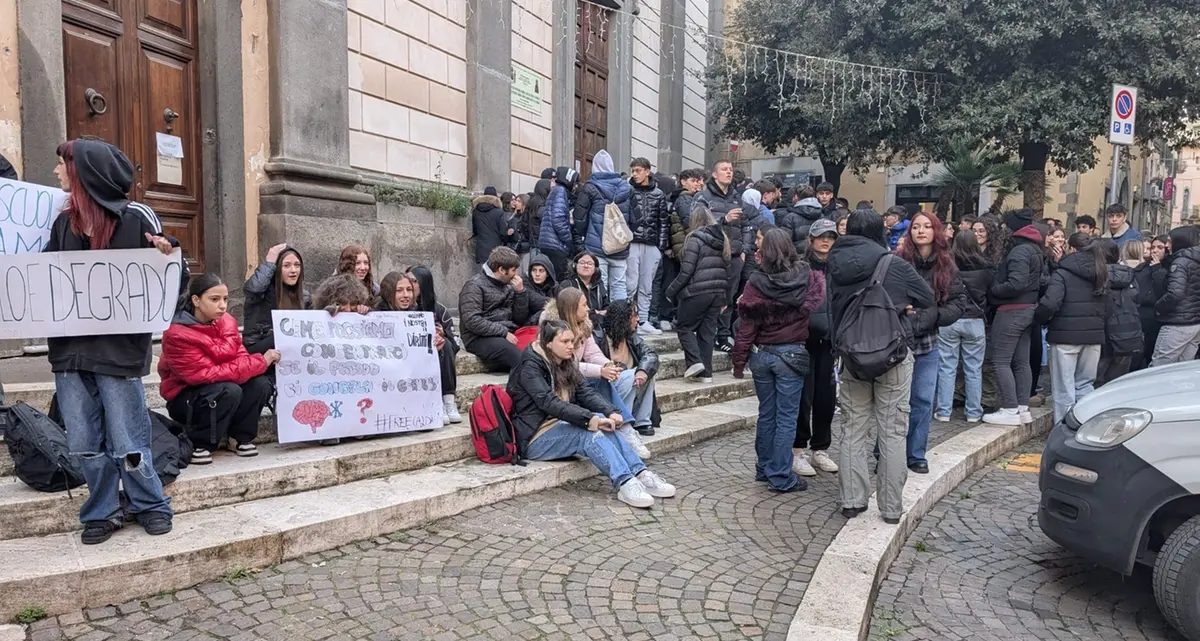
(1018, 218)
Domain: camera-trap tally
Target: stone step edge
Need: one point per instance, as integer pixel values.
(60, 575)
(840, 598)
(288, 469)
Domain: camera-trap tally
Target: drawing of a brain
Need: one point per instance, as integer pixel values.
(311, 413)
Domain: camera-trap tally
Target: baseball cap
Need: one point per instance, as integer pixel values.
(822, 227)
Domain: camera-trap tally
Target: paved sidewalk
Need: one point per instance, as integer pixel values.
(726, 559)
(979, 568)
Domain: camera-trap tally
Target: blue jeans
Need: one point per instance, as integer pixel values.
(920, 402)
(968, 336)
(778, 389)
(613, 272)
(108, 431)
(636, 403)
(1072, 370)
(606, 450)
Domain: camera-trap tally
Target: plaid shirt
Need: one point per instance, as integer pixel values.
(922, 345)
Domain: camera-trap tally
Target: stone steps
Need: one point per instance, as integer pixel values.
(60, 575)
(280, 470)
(671, 366)
(38, 394)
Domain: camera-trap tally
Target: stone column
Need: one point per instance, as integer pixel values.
(620, 88)
(43, 87)
(489, 94)
(671, 76)
(563, 84)
(310, 198)
(716, 26)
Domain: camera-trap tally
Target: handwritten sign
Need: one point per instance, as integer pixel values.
(84, 293)
(26, 213)
(355, 375)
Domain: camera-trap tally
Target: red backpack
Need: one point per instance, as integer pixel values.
(492, 430)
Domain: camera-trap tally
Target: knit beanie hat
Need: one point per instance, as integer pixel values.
(1018, 219)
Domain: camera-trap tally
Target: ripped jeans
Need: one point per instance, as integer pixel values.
(108, 431)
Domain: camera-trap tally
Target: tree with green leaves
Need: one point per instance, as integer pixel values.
(967, 169)
(1031, 79)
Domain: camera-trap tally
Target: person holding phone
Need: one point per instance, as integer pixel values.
(558, 416)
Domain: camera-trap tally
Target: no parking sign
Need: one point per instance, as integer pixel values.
(1123, 113)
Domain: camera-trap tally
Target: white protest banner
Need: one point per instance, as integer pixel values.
(27, 212)
(83, 293)
(355, 375)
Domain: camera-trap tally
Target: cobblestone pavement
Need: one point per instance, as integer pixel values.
(725, 559)
(979, 568)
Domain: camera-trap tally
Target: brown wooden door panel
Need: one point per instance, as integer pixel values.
(141, 55)
(591, 84)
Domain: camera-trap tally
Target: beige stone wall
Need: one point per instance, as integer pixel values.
(647, 46)
(256, 115)
(532, 44)
(408, 83)
(10, 100)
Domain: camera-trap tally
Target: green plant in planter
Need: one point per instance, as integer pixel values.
(435, 195)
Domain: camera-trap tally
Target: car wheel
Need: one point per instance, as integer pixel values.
(1177, 579)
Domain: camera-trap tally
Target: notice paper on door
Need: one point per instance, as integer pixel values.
(170, 159)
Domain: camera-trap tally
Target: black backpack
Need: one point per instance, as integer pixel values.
(38, 447)
(1123, 327)
(170, 447)
(870, 339)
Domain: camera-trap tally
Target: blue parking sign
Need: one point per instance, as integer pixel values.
(1128, 128)
(1116, 127)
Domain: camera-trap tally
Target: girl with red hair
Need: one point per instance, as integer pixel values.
(925, 247)
(98, 379)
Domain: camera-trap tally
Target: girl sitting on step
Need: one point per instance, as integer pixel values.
(212, 385)
(559, 416)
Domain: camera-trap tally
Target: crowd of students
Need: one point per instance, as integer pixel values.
(729, 264)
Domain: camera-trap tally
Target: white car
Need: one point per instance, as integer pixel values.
(1120, 483)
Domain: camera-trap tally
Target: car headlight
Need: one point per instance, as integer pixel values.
(1113, 427)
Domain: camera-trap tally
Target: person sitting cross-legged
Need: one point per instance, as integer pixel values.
(212, 385)
(557, 415)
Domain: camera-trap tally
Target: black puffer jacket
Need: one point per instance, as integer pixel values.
(798, 218)
(531, 387)
(820, 322)
(977, 279)
(927, 321)
(596, 294)
(261, 294)
(1019, 277)
(489, 226)
(107, 176)
(490, 308)
(720, 203)
(539, 294)
(648, 215)
(644, 355)
(851, 263)
(534, 209)
(1180, 305)
(1074, 314)
(1152, 285)
(703, 268)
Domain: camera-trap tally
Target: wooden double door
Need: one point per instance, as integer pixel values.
(591, 83)
(132, 80)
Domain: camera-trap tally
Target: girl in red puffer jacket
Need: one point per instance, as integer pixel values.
(210, 382)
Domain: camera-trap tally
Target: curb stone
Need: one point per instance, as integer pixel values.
(12, 632)
(838, 602)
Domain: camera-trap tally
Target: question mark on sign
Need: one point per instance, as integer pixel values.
(364, 405)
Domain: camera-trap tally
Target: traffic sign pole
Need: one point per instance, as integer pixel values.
(1114, 193)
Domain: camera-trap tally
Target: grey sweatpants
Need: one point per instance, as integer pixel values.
(1175, 344)
(875, 407)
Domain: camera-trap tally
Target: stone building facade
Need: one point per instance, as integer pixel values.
(289, 112)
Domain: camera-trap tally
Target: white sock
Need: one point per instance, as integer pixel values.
(447, 398)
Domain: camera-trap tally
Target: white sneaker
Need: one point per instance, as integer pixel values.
(634, 493)
(694, 371)
(705, 379)
(1003, 416)
(973, 419)
(634, 439)
(822, 461)
(801, 466)
(941, 419)
(1026, 417)
(201, 456)
(242, 449)
(665, 326)
(450, 410)
(648, 329)
(655, 486)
